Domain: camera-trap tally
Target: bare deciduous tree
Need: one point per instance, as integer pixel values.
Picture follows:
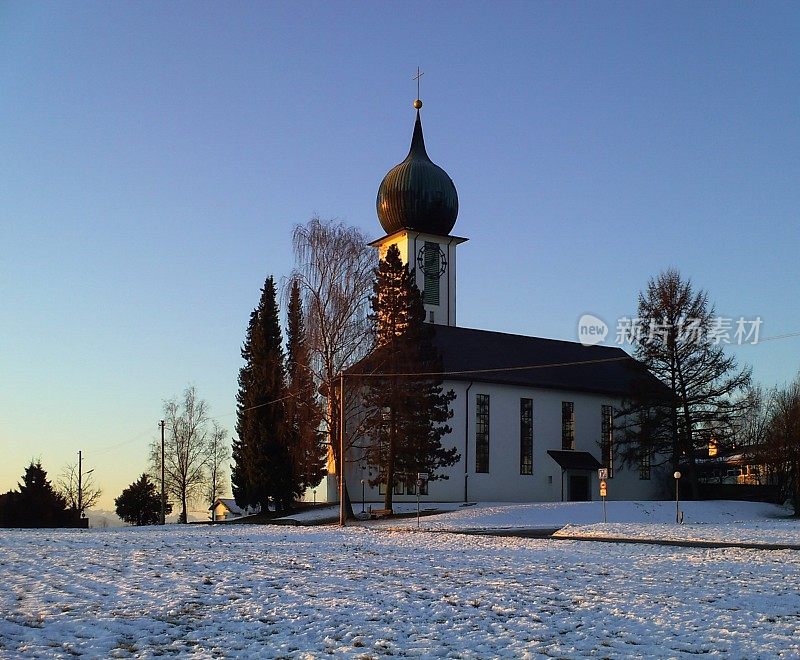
(780, 450)
(676, 345)
(186, 453)
(218, 453)
(78, 498)
(751, 428)
(335, 272)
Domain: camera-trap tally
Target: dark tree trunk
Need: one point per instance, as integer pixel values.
(387, 498)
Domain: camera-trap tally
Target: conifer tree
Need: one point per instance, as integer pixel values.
(409, 413)
(140, 503)
(36, 503)
(262, 465)
(303, 412)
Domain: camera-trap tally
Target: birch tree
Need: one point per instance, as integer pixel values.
(334, 272)
(186, 449)
(217, 453)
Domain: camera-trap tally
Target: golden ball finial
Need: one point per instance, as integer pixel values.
(417, 104)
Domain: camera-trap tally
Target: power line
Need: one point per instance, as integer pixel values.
(785, 336)
(464, 372)
(493, 370)
(120, 444)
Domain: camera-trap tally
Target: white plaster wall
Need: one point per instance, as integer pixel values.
(503, 482)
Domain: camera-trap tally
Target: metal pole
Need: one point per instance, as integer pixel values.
(80, 484)
(342, 515)
(677, 502)
(605, 519)
(418, 488)
(163, 503)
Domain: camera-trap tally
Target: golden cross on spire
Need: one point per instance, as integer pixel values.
(418, 103)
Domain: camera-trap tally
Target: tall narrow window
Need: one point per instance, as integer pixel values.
(567, 425)
(526, 436)
(411, 484)
(431, 269)
(481, 433)
(644, 462)
(607, 438)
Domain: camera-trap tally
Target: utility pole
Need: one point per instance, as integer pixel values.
(342, 512)
(80, 484)
(163, 513)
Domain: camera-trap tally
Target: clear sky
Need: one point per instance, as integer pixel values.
(154, 157)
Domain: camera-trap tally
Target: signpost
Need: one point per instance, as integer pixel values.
(602, 474)
(422, 477)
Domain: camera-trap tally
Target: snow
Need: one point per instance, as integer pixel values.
(102, 518)
(783, 532)
(330, 513)
(552, 515)
(365, 592)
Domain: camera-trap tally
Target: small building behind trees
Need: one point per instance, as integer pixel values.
(225, 508)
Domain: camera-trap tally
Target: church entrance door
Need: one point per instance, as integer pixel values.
(579, 488)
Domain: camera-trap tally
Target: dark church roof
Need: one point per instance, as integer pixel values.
(496, 357)
(417, 194)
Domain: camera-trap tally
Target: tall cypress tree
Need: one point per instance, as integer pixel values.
(410, 412)
(303, 412)
(261, 470)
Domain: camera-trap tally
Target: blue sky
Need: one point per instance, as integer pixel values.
(155, 157)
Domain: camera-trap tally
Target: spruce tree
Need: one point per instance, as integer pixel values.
(262, 466)
(409, 411)
(36, 503)
(140, 503)
(303, 412)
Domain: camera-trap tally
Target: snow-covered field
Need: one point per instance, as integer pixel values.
(784, 532)
(366, 592)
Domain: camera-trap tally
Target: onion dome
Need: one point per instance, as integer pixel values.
(417, 194)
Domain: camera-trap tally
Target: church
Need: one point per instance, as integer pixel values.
(533, 418)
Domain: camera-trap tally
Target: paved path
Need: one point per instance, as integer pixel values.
(682, 543)
(545, 533)
(548, 533)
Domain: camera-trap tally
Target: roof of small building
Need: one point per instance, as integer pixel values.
(574, 460)
(229, 503)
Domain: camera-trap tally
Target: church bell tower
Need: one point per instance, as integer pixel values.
(417, 207)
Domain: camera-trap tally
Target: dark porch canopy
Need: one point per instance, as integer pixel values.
(574, 460)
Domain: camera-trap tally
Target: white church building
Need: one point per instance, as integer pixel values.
(533, 418)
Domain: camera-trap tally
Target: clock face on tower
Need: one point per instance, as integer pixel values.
(431, 260)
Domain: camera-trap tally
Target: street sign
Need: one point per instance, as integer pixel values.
(422, 476)
(603, 489)
(602, 474)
